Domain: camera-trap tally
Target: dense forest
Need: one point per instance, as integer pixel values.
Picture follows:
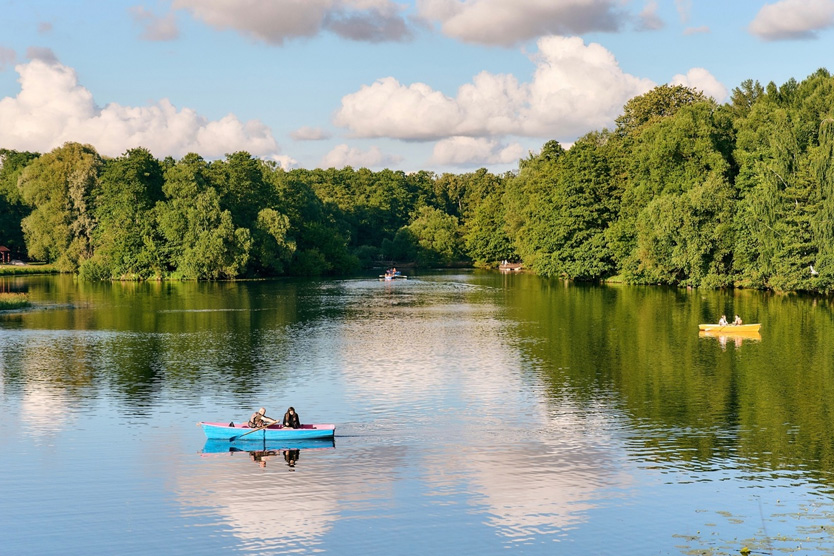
(683, 191)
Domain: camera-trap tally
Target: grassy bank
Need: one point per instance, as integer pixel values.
(13, 300)
(10, 270)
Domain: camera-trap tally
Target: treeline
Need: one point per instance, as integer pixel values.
(682, 191)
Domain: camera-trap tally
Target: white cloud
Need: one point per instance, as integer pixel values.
(701, 79)
(53, 108)
(575, 88)
(7, 57)
(702, 30)
(343, 155)
(307, 133)
(503, 22)
(389, 109)
(684, 8)
(154, 27)
(284, 161)
(793, 19)
(275, 21)
(471, 151)
(649, 20)
(41, 53)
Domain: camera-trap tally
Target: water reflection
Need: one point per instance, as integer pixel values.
(734, 338)
(269, 510)
(507, 409)
(263, 451)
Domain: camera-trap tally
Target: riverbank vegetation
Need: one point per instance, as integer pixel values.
(9, 270)
(13, 301)
(683, 191)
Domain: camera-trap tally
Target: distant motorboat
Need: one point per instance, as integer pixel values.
(392, 275)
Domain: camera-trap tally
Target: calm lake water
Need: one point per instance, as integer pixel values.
(476, 413)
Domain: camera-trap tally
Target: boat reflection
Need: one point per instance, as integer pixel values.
(737, 338)
(261, 451)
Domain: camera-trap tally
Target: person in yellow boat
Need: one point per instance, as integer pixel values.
(737, 320)
(723, 320)
(259, 419)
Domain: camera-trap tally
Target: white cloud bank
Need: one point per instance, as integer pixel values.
(52, 108)
(471, 151)
(508, 22)
(575, 88)
(307, 133)
(274, 21)
(793, 19)
(343, 155)
(487, 22)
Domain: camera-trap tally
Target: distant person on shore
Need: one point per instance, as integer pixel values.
(259, 419)
(737, 320)
(723, 320)
(291, 419)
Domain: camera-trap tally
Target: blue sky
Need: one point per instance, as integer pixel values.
(441, 85)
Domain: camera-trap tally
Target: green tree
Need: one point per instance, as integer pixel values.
(243, 189)
(125, 240)
(659, 103)
(437, 235)
(59, 187)
(686, 156)
(201, 239)
(12, 207)
(272, 250)
(321, 244)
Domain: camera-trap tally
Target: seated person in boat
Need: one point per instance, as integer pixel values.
(259, 419)
(737, 320)
(291, 419)
(723, 320)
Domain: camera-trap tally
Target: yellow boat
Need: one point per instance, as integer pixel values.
(729, 328)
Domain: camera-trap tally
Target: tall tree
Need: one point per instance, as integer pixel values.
(202, 240)
(59, 187)
(12, 207)
(125, 240)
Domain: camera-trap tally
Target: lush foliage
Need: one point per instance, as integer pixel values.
(683, 191)
(13, 300)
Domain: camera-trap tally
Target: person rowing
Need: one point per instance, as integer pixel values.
(259, 419)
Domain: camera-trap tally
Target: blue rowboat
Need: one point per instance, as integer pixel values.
(213, 446)
(222, 431)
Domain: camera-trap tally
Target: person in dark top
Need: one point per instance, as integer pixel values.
(291, 419)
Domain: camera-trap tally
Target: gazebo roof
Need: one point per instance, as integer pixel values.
(3, 248)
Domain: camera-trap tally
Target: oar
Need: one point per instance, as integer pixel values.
(232, 439)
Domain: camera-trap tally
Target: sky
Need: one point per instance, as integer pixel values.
(438, 85)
